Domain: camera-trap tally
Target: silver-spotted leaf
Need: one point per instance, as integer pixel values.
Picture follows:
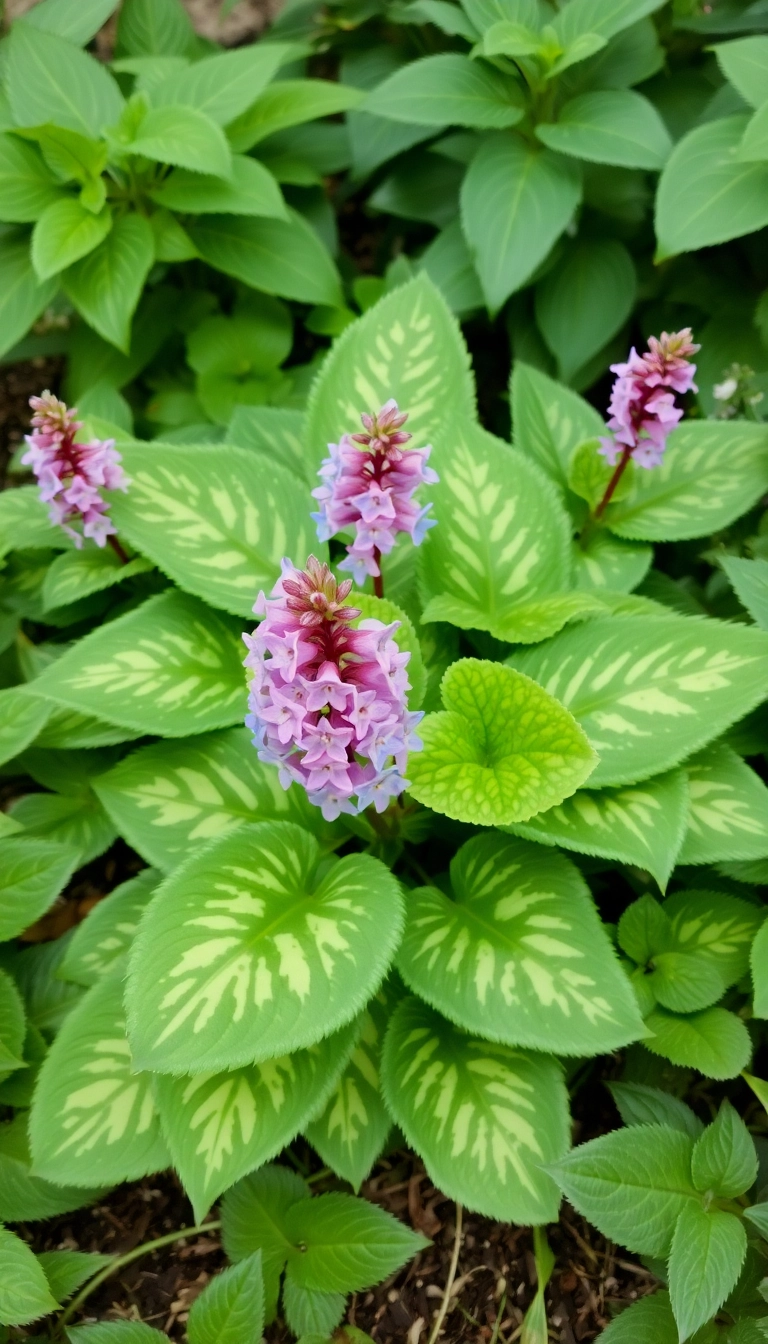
(728, 817)
(486, 1119)
(257, 947)
(106, 934)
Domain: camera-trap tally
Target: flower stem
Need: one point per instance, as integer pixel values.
(117, 548)
(610, 489)
(378, 579)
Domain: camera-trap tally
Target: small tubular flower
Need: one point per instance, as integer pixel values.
(328, 702)
(642, 406)
(369, 481)
(71, 475)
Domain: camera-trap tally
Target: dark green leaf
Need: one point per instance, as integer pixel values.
(446, 90)
(106, 285)
(342, 1244)
(584, 301)
(614, 126)
(231, 1309)
(24, 1292)
(705, 1261)
(706, 194)
(724, 1160)
(285, 258)
(67, 1270)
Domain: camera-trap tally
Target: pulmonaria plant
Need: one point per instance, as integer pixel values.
(328, 702)
(369, 483)
(71, 475)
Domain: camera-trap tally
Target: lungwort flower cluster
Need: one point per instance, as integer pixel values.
(369, 483)
(642, 407)
(70, 474)
(328, 701)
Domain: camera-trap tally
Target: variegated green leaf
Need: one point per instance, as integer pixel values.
(648, 693)
(67, 729)
(714, 925)
(76, 574)
(218, 524)
(350, 1132)
(609, 563)
(749, 580)
(728, 817)
(713, 471)
(220, 1126)
(641, 824)
(169, 667)
(487, 1120)
(408, 346)
(713, 1041)
(169, 798)
(518, 953)
(549, 421)
(77, 820)
(258, 947)
(501, 749)
(32, 874)
(106, 934)
(274, 432)
(93, 1117)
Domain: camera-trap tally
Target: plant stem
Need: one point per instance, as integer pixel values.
(437, 1327)
(610, 489)
(378, 579)
(120, 1260)
(117, 548)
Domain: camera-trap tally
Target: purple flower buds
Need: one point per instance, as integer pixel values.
(642, 413)
(70, 474)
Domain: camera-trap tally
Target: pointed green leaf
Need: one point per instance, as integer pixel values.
(724, 1159)
(155, 28)
(640, 824)
(24, 1292)
(106, 934)
(759, 966)
(518, 954)
(75, 820)
(252, 190)
(12, 1026)
(616, 126)
(745, 65)
(220, 1126)
(22, 299)
(184, 137)
(706, 194)
(24, 521)
(449, 89)
(64, 233)
(169, 666)
(254, 949)
(585, 300)
(487, 1120)
(93, 1117)
(106, 285)
(749, 579)
(280, 256)
(32, 874)
(715, 925)
(51, 79)
(216, 524)
(67, 1270)
(231, 1309)
(604, 17)
(639, 1104)
(501, 749)
(714, 1041)
(309, 1312)
(549, 421)
(253, 1218)
(341, 1244)
(22, 716)
(648, 693)
(115, 1332)
(705, 1261)
(27, 186)
(289, 102)
(728, 816)
(24, 1197)
(225, 84)
(274, 432)
(74, 575)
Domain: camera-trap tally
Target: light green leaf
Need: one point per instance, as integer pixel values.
(515, 203)
(77, 20)
(24, 1292)
(289, 102)
(269, 950)
(408, 346)
(500, 750)
(607, 563)
(616, 126)
(633, 1184)
(106, 285)
(52, 80)
(707, 1254)
(639, 1104)
(64, 232)
(220, 1126)
(76, 574)
(754, 142)
(93, 1116)
(713, 471)
(584, 301)
(487, 1120)
(67, 1270)
(449, 89)
(223, 85)
(115, 1332)
(648, 693)
(728, 816)
(724, 1159)
(24, 521)
(706, 194)
(66, 730)
(155, 28)
(759, 965)
(170, 798)
(12, 1026)
(169, 238)
(253, 1218)
(745, 65)
(24, 1197)
(517, 953)
(26, 185)
(231, 1309)
(32, 874)
(76, 820)
(749, 580)
(341, 1244)
(252, 190)
(714, 1041)
(170, 666)
(47, 1000)
(284, 257)
(106, 934)
(311, 1313)
(605, 17)
(73, 158)
(184, 137)
(273, 431)
(549, 421)
(21, 718)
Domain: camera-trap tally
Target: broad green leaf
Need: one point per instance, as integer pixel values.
(515, 203)
(724, 1159)
(93, 1117)
(77, 20)
(549, 421)
(52, 80)
(12, 1025)
(220, 1126)
(749, 580)
(251, 190)
(706, 194)
(754, 142)
(273, 431)
(648, 693)
(604, 17)
(706, 1257)
(759, 965)
(252, 949)
(32, 874)
(713, 471)
(67, 1270)
(115, 1332)
(633, 1184)
(714, 1041)
(75, 820)
(500, 750)
(106, 934)
(169, 798)
(24, 521)
(106, 285)
(76, 574)
(73, 158)
(284, 257)
(745, 64)
(647, 1321)
(616, 126)
(518, 953)
(714, 925)
(641, 824)
(216, 523)
(381, 609)
(487, 1120)
(666, 972)
(445, 90)
(728, 817)
(223, 85)
(24, 1197)
(639, 1104)
(169, 666)
(66, 730)
(47, 1000)
(21, 718)
(408, 346)
(154, 28)
(253, 1218)
(24, 1292)
(350, 1132)
(341, 1244)
(449, 266)
(607, 563)
(289, 102)
(585, 300)
(184, 137)
(64, 233)
(26, 185)
(311, 1313)
(231, 1308)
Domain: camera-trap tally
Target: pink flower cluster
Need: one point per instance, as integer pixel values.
(370, 480)
(642, 413)
(328, 703)
(70, 474)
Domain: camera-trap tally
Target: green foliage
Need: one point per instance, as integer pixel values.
(24, 1295)
(231, 1310)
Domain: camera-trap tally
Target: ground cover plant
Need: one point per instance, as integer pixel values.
(432, 755)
